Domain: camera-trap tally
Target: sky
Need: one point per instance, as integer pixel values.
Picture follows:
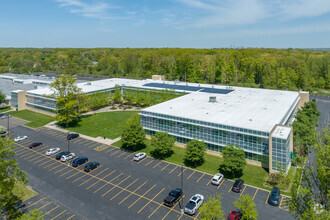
(165, 23)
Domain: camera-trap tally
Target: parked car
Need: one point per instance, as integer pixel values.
(237, 186)
(3, 135)
(194, 203)
(72, 136)
(78, 161)
(5, 116)
(58, 156)
(68, 157)
(20, 138)
(35, 144)
(274, 198)
(217, 179)
(234, 215)
(52, 151)
(173, 197)
(91, 166)
(139, 156)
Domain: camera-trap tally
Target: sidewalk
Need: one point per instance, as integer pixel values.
(101, 140)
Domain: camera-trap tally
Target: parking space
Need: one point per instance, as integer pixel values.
(136, 189)
(51, 210)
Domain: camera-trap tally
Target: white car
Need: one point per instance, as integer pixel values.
(217, 179)
(194, 203)
(52, 151)
(139, 156)
(20, 138)
(67, 157)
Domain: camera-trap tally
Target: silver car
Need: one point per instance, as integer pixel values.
(68, 157)
(139, 156)
(194, 203)
(52, 151)
(217, 179)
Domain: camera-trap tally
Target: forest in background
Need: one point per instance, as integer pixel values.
(290, 69)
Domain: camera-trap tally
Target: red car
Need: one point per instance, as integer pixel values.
(35, 144)
(233, 215)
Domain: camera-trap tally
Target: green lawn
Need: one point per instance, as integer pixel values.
(252, 175)
(23, 191)
(107, 124)
(5, 109)
(36, 119)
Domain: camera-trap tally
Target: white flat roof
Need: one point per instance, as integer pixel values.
(282, 132)
(249, 108)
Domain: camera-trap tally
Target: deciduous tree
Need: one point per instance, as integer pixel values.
(194, 153)
(233, 161)
(247, 207)
(162, 145)
(310, 189)
(212, 208)
(9, 175)
(133, 135)
(66, 94)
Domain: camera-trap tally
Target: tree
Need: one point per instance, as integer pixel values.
(212, 209)
(2, 97)
(10, 174)
(133, 135)
(67, 96)
(35, 214)
(162, 145)
(194, 153)
(310, 189)
(247, 207)
(117, 96)
(2, 130)
(233, 162)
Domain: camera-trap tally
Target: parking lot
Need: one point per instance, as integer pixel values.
(50, 209)
(122, 188)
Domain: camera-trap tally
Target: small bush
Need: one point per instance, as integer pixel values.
(2, 130)
(113, 108)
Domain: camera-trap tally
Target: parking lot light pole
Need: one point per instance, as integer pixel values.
(182, 211)
(8, 126)
(68, 142)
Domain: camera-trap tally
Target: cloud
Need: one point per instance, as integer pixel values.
(304, 8)
(217, 13)
(92, 10)
(227, 12)
(301, 29)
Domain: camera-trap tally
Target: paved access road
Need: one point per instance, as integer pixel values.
(121, 188)
(323, 104)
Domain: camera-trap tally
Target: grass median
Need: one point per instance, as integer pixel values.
(35, 119)
(5, 109)
(252, 175)
(106, 124)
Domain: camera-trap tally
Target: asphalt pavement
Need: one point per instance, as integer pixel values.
(121, 188)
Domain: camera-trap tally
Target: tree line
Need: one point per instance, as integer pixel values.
(291, 69)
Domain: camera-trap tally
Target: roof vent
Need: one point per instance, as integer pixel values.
(213, 99)
(250, 119)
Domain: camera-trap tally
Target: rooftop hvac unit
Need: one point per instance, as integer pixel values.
(213, 99)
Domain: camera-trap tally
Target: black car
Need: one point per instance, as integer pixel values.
(237, 186)
(274, 198)
(35, 144)
(72, 136)
(79, 161)
(173, 197)
(91, 166)
(59, 155)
